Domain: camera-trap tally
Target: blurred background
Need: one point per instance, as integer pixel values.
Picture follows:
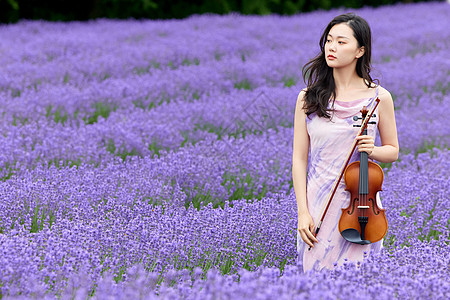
(69, 10)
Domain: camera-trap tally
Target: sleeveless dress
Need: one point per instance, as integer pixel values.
(330, 142)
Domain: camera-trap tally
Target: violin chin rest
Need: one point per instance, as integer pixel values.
(353, 236)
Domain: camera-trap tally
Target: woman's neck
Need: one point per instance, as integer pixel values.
(345, 80)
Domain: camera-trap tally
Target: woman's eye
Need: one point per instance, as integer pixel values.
(338, 42)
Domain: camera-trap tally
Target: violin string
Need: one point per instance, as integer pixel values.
(365, 185)
(366, 172)
(365, 179)
(363, 197)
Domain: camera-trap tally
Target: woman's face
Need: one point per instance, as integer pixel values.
(341, 44)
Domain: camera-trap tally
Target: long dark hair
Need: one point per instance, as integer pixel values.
(321, 85)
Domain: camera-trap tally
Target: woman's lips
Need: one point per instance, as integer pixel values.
(331, 57)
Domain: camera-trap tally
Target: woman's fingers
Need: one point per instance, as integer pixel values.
(311, 236)
(305, 226)
(307, 236)
(365, 143)
(365, 149)
(365, 139)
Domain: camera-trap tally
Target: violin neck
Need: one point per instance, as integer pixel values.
(364, 172)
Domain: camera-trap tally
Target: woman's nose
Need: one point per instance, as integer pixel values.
(332, 46)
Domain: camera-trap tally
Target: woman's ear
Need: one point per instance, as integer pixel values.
(361, 52)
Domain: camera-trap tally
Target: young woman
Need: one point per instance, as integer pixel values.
(339, 85)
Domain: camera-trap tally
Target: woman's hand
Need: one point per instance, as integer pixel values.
(306, 227)
(365, 144)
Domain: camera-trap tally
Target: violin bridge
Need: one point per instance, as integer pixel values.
(363, 206)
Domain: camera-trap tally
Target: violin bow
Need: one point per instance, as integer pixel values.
(338, 179)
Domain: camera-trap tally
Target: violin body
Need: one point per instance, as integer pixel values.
(363, 211)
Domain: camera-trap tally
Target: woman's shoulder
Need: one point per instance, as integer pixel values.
(386, 101)
(384, 94)
(301, 94)
(381, 90)
(304, 90)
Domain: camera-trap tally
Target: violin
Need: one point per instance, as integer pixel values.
(363, 222)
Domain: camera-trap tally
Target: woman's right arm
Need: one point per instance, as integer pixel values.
(299, 166)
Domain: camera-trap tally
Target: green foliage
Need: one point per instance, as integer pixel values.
(209, 127)
(20, 120)
(8, 169)
(101, 109)
(121, 152)
(15, 93)
(289, 81)
(142, 102)
(155, 147)
(14, 10)
(61, 163)
(218, 56)
(195, 95)
(385, 166)
(430, 147)
(111, 146)
(244, 186)
(198, 197)
(14, 4)
(59, 115)
(188, 62)
(119, 276)
(39, 216)
(243, 84)
(140, 70)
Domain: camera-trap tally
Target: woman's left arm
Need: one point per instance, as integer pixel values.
(388, 151)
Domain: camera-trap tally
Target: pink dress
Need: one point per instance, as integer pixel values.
(330, 142)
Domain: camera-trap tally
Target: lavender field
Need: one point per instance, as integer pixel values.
(153, 159)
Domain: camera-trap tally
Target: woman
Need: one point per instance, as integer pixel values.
(339, 85)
